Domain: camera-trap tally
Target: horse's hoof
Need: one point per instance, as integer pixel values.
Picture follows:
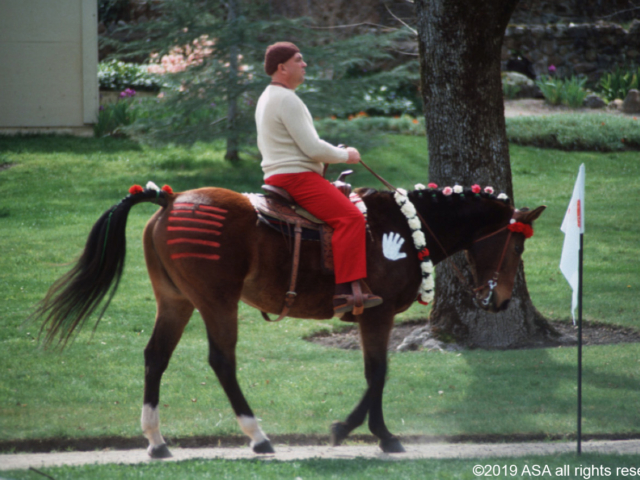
(263, 447)
(339, 431)
(159, 451)
(391, 445)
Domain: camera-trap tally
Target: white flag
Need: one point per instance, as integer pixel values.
(573, 226)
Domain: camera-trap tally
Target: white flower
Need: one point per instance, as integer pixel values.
(427, 297)
(427, 283)
(457, 189)
(503, 196)
(427, 267)
(419, 240)
(488, 190)
(152, 186)
(409, 210)
(419, 186)
(400, 198)
(414, 223)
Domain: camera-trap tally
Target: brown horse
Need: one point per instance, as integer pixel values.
(204, 249)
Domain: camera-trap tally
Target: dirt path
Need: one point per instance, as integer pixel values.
(289, 453)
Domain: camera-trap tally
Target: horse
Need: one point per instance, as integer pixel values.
(205, 250)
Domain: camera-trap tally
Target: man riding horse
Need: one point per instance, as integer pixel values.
(293, 158)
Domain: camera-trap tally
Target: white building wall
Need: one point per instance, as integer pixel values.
(48, 63)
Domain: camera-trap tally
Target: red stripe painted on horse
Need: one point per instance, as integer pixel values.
(213, 209)
(176, 256)
(195, 220)
(211, 215)
(192, 229)
(192, 240)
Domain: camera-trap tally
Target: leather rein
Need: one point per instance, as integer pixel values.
(491, 283)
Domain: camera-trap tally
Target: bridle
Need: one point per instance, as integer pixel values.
(492, 283)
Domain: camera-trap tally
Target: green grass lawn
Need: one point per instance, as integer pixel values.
(56, 188)
(583, 467)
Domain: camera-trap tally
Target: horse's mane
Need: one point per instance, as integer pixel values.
(437, 195)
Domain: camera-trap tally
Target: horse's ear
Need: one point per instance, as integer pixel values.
(529, 217)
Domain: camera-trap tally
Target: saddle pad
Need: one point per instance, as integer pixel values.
(281, 217)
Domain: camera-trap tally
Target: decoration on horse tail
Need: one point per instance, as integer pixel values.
(136, 189)
(207, 220)
(425, 292)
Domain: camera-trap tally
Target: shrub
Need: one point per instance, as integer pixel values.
(116, 75)
(589, 132)
(551, 89)
(365, 131)
(510, 90)
(113, 116)
(573, 92)
(618, 83)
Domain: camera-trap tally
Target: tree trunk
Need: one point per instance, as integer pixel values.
(232, 88)
(460, 43)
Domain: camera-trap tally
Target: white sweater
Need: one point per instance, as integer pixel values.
(287, 138)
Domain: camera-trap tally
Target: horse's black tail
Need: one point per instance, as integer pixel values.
(76, 295)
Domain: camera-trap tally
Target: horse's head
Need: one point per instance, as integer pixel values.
(495, 257)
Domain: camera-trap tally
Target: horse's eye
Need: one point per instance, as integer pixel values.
(519, 249)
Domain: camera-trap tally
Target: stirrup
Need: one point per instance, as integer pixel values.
(355, 302)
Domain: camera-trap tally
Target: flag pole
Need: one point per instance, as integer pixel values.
(580, 346)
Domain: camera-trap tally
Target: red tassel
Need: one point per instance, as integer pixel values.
(421, 302)
(519, 227)
(135, 189)
(167, 189)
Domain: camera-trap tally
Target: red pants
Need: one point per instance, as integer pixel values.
(323, 200)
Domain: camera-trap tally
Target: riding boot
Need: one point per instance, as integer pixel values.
(354, 297)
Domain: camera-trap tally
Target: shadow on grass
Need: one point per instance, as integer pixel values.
(536, 389)
(65, 143)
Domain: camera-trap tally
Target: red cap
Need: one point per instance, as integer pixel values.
(276, 54)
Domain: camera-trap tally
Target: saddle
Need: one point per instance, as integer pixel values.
(277, 209)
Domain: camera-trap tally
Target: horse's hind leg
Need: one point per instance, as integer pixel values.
(221, 321)
(172, 317)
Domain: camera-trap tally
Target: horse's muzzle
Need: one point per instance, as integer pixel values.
(487, 300)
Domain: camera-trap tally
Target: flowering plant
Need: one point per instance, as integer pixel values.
(425, 292)
(127, 93)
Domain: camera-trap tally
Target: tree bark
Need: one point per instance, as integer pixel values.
(460, 43)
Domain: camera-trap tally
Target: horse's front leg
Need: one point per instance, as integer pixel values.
(375, 326)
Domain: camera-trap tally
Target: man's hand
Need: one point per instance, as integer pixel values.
(354, 155)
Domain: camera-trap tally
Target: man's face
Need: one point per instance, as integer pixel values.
(295, 69)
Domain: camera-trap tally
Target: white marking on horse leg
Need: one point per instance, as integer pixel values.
(249, 425)
(150, 422)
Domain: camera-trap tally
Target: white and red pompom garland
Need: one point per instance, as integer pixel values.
(425, 292)
(359, 203)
